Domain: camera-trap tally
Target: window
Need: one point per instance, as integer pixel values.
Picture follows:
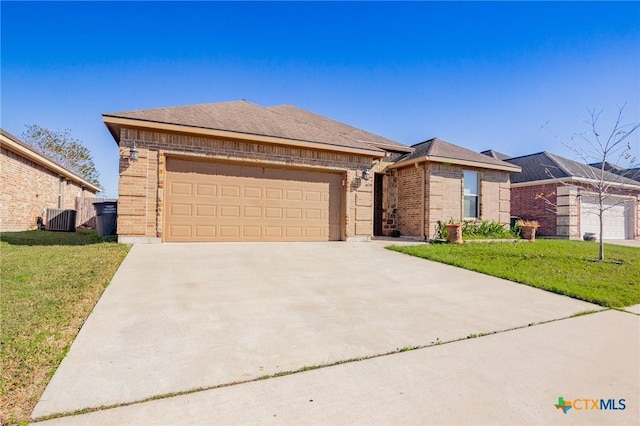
(471, 194)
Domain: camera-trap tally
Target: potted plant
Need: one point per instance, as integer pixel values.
(454, 232)
(528, 229)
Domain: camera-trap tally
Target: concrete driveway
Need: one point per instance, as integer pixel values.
(182, 317)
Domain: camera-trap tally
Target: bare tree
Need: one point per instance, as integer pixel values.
(611, 153)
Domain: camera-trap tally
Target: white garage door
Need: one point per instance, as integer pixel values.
(208, 201)
(617, 218)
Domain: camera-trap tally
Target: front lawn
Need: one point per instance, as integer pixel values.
(50, 282)
(560, 266)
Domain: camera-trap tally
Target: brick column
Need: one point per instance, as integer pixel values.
(568, 213)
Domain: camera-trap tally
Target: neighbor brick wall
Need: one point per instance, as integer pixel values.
(27, 189)
(141, 185)
(558, 217)
(536, 203)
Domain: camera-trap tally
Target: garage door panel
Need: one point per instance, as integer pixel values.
(230, 211)
(181, 188)
(252, 192)
(206, 190)
(180, 209)
(252, 212)
(205, 231)
(274, 194)
(230, 191)
(226, 202)
(206, 210)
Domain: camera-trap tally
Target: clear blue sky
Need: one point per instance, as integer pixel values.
(480, 75)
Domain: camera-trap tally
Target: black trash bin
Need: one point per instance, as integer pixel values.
(106, 215)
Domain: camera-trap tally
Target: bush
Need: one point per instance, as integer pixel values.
(479, 230)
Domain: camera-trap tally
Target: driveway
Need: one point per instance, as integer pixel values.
(181, 317)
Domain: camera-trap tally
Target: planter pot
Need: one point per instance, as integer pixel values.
(454, 233)
(528, 232)
(589, 236)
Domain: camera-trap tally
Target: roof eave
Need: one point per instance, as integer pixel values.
(460, 162)
(113, 123)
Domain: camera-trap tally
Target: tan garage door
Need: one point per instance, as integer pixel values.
(208, 201)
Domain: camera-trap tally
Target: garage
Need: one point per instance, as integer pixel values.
(617, 218)
(217, 201)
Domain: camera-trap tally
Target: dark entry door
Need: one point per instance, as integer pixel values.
(377, 204)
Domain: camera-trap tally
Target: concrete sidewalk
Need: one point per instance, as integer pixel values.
(179, 317)
(515, 377)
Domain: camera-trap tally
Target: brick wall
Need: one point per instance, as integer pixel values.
(141, 185)
(28, 189)
(409, 193)
(444, 196)
(537, 203)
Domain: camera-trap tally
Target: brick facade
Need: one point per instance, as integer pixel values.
(442, 187)
(537, 203)
(141, 184)
(28, 189)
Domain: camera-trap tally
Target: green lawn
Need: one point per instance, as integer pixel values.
(50, 282)
(560, 266)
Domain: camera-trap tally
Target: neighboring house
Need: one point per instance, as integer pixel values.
(236, 171)
(555, 191)
(440, 181)
(31, 183)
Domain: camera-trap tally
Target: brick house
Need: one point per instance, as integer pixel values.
(236, 171)
(31, 183)
(439, 181)
(555, 191)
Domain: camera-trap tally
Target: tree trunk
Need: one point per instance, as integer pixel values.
(601, 247)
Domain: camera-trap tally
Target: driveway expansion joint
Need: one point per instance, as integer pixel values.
(303, 369)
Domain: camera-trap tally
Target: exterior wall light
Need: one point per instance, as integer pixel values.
(133, 152)
(366, 173)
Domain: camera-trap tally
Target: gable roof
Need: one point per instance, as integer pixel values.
(545, 166)
(495, 154)
(16, 145)
(240, 120)
(341, 128)
(439, 151)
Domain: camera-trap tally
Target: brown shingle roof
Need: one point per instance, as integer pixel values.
(243, 117)
(341, 128)
(438, 150)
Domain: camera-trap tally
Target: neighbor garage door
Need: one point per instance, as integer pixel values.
(208, 201)
(617, 218)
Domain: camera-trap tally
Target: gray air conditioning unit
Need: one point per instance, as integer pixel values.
(61, 220)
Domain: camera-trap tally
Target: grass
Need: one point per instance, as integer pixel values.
(50, 282)
(564, 267)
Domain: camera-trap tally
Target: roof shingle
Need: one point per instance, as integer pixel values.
(545, 165)
(438, 148)
(244, 117)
